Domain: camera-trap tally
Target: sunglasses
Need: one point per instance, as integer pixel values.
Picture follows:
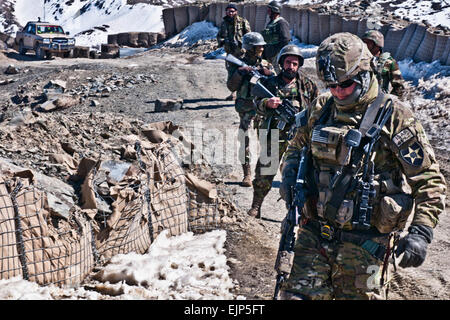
(342, 85)
(230, 10)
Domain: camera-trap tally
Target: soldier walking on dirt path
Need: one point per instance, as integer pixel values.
(253, 43)
(276, 33)
(230, 36)
(385, 67)
(300, 91)
(371, 166)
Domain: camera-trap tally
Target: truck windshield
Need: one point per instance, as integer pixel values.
(49, 29)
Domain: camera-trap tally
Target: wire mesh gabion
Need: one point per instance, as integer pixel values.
(125, 205)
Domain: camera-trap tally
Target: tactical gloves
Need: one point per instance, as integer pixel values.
(289, 177)
(414, 246)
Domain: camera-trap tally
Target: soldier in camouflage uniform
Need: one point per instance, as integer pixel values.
(384, 65)
(230, 35)
(288, 84)
(276, 33)
(253, 43)
(335, 256)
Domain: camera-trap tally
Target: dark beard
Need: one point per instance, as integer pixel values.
(289, 74)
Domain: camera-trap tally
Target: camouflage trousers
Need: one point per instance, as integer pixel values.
(325, 270)
(246, 119)
(266, 172)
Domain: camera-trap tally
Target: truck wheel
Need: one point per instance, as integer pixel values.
(40, 53)
(22, 50)
(68, 54)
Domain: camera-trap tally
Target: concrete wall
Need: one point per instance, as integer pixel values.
(414, 41)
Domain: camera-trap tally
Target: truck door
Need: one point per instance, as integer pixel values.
(30, 35)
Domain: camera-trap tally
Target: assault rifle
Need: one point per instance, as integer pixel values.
(285, 256)
(285, 111)
(366, 187)
(254, 71)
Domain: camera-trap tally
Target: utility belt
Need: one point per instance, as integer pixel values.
(364, 240)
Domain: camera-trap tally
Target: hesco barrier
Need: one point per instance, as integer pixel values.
(414, 41)
(124, 205)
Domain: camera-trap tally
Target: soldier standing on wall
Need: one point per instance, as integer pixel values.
(230, 36)
(384, 65)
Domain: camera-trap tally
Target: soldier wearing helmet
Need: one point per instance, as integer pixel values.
(385, 67)
(230, 35)
(371, 167)
(253, 43)
(289, 84)
(276, 32)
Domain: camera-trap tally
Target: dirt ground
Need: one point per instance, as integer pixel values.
(252, 244)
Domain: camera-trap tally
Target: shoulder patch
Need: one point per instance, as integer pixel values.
(413, 154)
(403, 136)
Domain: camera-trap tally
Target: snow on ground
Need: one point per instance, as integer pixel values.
(184, 267)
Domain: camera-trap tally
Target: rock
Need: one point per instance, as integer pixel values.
(57, 85)
(94, 103)
(164, 105)
(7, 81)
(11, 69)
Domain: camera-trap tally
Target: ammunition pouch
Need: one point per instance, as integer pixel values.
(328, 144)
(393, 212)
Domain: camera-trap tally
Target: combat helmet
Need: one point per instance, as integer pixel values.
(274, 6)
(290, 50)
(376, 36)
(340, 57)
(251, 39)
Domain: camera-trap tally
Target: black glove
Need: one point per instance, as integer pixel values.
(289, 177)
(414, 245)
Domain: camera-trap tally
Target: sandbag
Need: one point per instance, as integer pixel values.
(51, 250)
(335, 24)
(392, 39)
(112, 39)
(415, 41)
(181, 18)
(426, 48)
(313, 29)
(350, 25)
(260, 17)
(439, 48)
(324, 26)
(304, 26)
(362, 27)
(250, 15)
(212, 7)
(194, 14)
(401, 49)
(169, 22)
(10, 265)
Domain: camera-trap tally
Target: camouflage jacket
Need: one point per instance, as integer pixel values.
(301, 93)
(405, 167)
(388, 74)
(230, 34)
(277, 35)
(240, 82)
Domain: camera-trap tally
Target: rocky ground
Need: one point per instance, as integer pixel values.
(97, 100)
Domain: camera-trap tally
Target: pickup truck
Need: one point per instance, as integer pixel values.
(45, 39)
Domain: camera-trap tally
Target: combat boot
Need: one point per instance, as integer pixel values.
(247, 181)
(255, 210)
